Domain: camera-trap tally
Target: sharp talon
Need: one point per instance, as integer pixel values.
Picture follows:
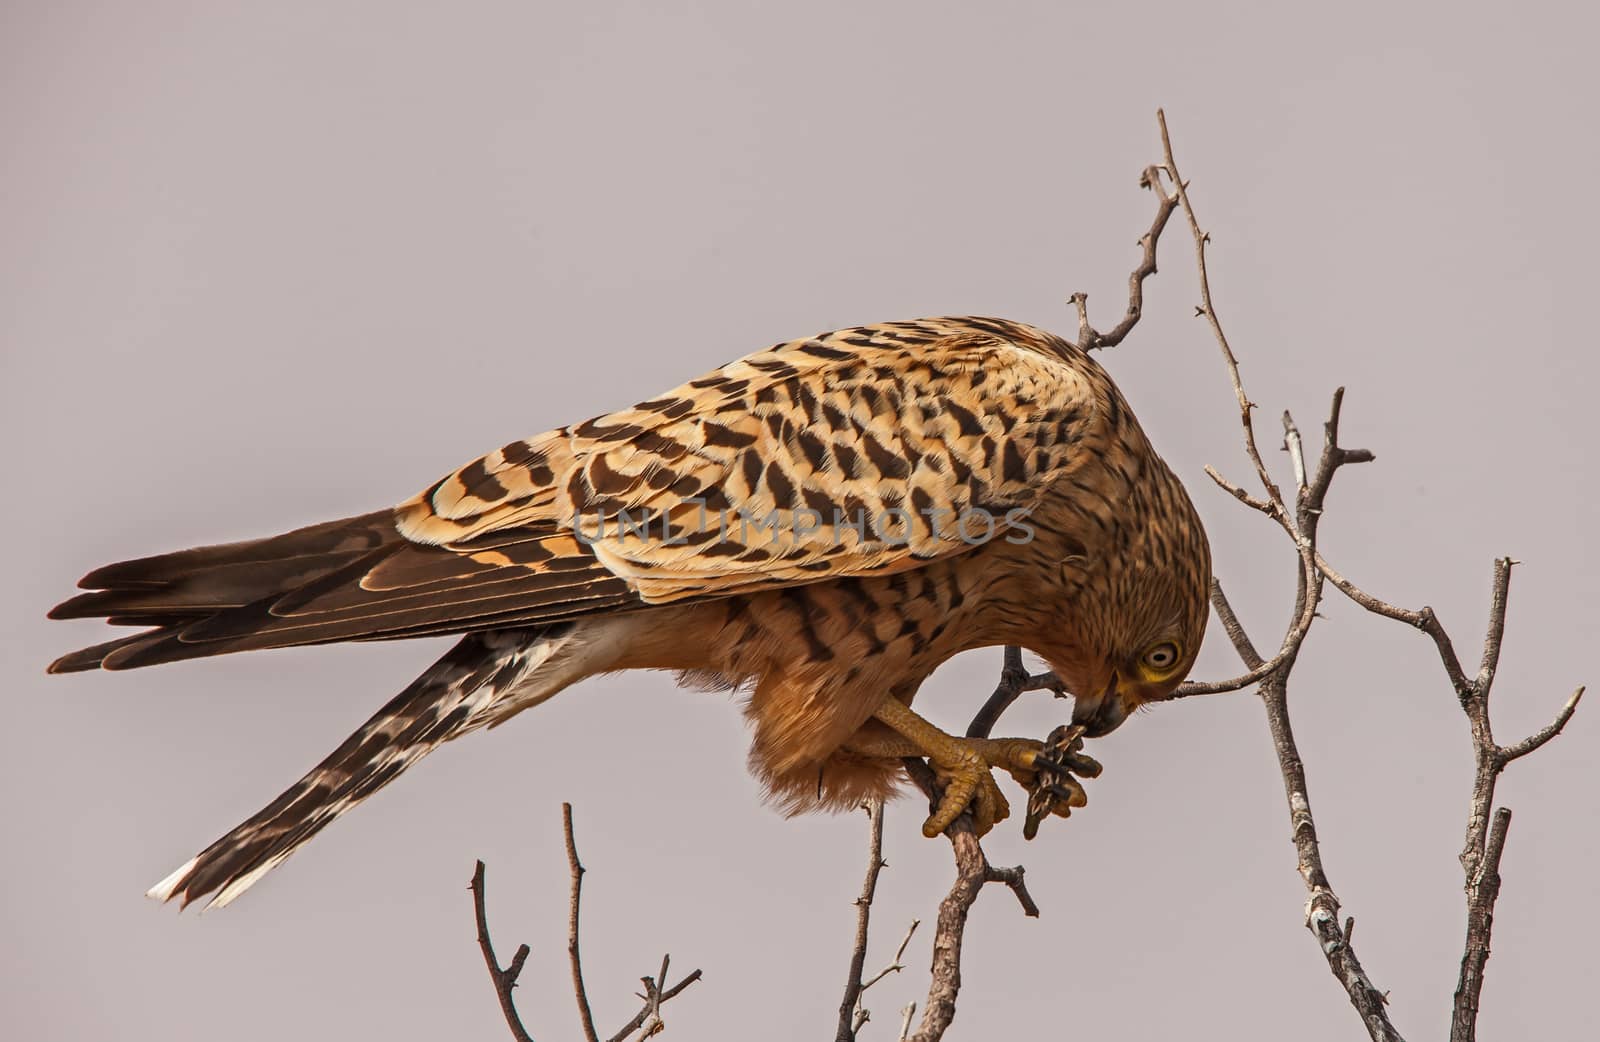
(1069, 763)
(1049, 763)
(1055, 766)
(1040, 806)
(1086, 766)
(1030, 827)
(1075, 797)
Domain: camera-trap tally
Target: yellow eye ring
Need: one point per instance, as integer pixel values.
(1161, 659)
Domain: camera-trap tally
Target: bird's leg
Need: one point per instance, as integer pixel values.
(965, 763)
(1045, 769)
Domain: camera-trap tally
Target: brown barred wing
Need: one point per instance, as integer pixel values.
(861, 451)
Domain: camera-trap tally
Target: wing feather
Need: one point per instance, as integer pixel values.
(850, 453)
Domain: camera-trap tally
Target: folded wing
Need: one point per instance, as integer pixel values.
(862, 451)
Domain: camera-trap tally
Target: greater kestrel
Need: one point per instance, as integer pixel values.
(821, 523)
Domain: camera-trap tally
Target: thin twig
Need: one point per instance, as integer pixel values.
(1293, 445)
(1322, 907)
(504, 979)
(1536, 740)
(1485, 842)
(648, 1018)
(1014, 681)
(895, 965)
(862, 1014)
(1090, 339)
(853, 987)
(575, 869)
(654, 1000)
(1424, 620)
(1208, 310)
(1486, 831)
(1311, 495)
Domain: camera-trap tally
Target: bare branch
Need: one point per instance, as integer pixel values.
(862, 1014)
(504, 979)
(1089, 339)
(1479, 854)
(1517, 750)
(1322, 908)
(1424, 620)
(1086, 333)
(1501, 592)
(1481, 895)
(1296, 635)
(575, 868)
(1209, 310)
(848, 1025)
(654, 1000)
(1266, 507)
(1334, 455)
(895, 965)
(1190, 688)
(1015, 680)
(973, 872)
(1233, 627)
(1015, 879)
(1480, 857)
(1296, 450)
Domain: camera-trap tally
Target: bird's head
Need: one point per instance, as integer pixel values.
(1107, 689)
(1139, 619)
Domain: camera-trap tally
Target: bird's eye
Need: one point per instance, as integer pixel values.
(1161, 658)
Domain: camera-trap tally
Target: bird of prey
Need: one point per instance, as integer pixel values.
(820, 524)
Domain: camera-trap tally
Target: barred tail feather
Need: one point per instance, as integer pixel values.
(452, 697)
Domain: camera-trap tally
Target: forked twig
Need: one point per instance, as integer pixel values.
(1485, 841)
(647, 1020)
(504, 978)
(851, 1013)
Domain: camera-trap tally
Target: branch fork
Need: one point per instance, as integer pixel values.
(644, 1024)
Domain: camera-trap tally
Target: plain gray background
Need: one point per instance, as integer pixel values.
(267, 264)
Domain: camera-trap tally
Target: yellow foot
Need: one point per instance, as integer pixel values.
(965, 767)
(1046, 770)
(963, 764)
(968, 781)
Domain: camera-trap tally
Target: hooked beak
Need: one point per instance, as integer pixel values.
(1100, 716)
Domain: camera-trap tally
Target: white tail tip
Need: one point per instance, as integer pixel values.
(164, 889)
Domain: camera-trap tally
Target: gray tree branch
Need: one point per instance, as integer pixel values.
(1485, 842)
(646, 1023)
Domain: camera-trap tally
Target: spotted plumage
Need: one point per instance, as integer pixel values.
(821, 523)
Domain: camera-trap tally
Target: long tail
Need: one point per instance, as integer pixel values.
(455, 695)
